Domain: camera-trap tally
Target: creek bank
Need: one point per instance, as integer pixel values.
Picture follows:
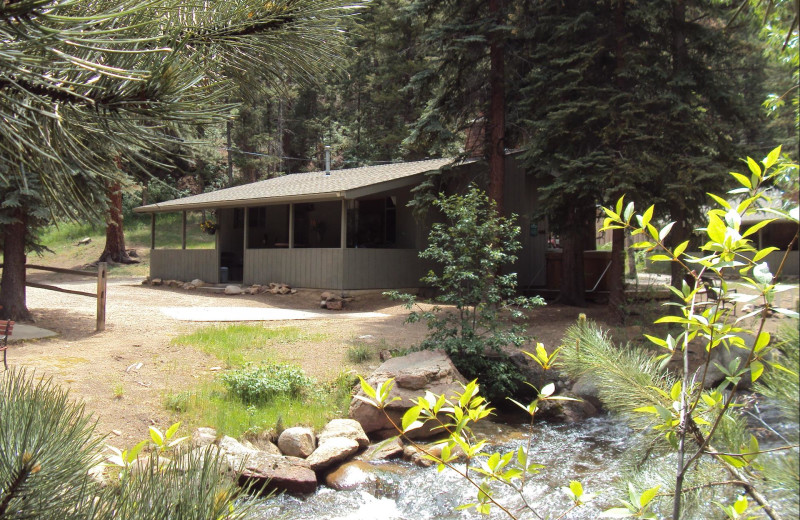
(299, 460)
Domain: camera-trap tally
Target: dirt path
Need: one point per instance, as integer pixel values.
(101, 369)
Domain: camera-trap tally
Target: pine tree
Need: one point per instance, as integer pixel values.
(87, 85)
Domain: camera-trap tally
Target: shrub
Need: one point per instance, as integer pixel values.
(359, 353)
(260, 384)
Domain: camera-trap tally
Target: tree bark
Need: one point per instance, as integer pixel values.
(12, 283)
(573, 284)
(616, 275)
(497, 121)
(115, 251)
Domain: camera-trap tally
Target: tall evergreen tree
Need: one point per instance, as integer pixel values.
(84, 85)
(633, 97)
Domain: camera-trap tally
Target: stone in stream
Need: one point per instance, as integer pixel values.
(297, 442)
(389, 449)
(372, 478)
(274, 473)
(414, 374)
(333, 450)
(347, 428)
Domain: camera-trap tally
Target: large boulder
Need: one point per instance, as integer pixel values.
(414, 374)
(347, 428)
(333, 450)
(389, 449)
(297, 442)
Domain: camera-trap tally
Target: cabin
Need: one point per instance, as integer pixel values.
(343, 230)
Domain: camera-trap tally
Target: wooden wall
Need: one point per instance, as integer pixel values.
(185, 264)
(308, 268)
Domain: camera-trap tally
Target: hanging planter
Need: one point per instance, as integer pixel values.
(208, 226)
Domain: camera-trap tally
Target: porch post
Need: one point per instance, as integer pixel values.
(183, 230)
(291, 226)
(152, 230)
(246, 238)
(344, 225)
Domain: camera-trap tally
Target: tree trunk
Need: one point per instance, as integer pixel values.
(115, 251)
(631, 254)
(573, 285)
(12, 284)
(229, 140)
(497, 121)
(616, 275)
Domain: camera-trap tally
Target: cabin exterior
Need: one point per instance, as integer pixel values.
(342, 230)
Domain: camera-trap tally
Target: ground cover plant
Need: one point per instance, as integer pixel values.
(257, 392)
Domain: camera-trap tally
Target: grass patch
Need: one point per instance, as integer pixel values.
(239, 344)
(211, 405)
(227, 403)
(359, 353)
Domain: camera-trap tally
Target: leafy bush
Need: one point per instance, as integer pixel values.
(473, 246)
(260, 384)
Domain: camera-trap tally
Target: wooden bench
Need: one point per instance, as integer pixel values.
(7, 327)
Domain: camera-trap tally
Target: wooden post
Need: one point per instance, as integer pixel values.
(245, 239)
(343, 241)
(291, 226)
(152, 230)
(183, 230)
(102, 278)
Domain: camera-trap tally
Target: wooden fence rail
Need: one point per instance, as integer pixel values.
(102, 278)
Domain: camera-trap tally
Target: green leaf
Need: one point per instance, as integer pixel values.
(678, 251)
(367, 388)
(665, 231)
(661, 258)
(576, 488)
(410, 417)
(619, 205)
(756, 369)
(754, 167)
(740, 506)
(762, 341)
(648, 496)
(157, 436)
(675, 392)
(755, 227)
(743, 180)
(722, 202)
(628, 212)
(760, 255)
(647, 216)
(172, 429)
(772, 157)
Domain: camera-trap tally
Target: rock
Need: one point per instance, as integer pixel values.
(327, 295)
(284, 289)
(156, 281)
(98, 475)
(414, 374)
(174, 283)
(188, 286)
(436, 451)
(350, 475)
(275, 473)
(204, 437)
(586, 389)
(347, 428)
(234, 448)
(133, 253)
(385, 355)
(293, 291)
(333, 450)
(198, 282)
(391, 448)
(569, 412)
(334, 305)
(233, 290)
(263, 444)
(297, 442)
(531, 371)
(379, 480)
(146, 281)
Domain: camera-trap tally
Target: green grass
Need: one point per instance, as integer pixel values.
(359, 353)
(236, 345)
(210, 404)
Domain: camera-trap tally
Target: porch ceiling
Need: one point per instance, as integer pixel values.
(306, 187)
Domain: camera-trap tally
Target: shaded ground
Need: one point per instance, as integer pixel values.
(102, 368)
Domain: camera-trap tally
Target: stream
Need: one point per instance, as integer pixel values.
(589, 452)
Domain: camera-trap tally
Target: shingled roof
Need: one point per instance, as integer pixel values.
(299, 187)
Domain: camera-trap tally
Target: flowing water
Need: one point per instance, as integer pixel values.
(588, 452)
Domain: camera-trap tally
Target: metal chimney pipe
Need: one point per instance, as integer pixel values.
(327, 160)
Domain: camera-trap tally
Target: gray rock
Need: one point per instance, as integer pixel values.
(274, 473)
(414, 374)
(231, 446)
(587, 389)
(233, 289)
(347, 428)
(198, 282)
(333, 450)
(297, 442)
(389, 449)
(156, 281)
(569, 412)
(334, 305)
(204, 437)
